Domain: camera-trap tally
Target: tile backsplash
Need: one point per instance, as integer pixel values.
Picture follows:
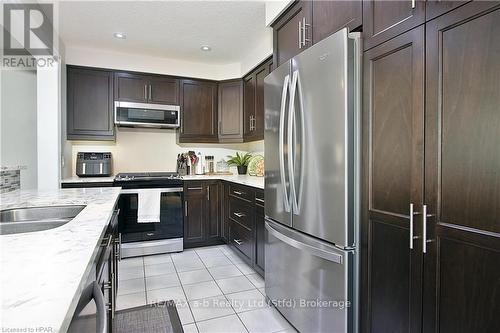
(10, 180)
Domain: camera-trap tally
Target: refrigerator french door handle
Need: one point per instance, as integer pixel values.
(297, 197)
(286, 198)
(297, 87)
(327, 255)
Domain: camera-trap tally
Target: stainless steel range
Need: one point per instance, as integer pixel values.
(165, 236)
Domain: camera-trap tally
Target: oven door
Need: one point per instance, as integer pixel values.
(130, 114)
(171, 223)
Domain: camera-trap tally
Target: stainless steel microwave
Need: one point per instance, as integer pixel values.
(129, 114)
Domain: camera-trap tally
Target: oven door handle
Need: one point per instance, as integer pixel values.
(163, 190)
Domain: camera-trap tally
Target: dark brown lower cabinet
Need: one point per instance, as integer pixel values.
(202, 224)
(462, 176)
(244, 218)
(441, 172)
(393, 168)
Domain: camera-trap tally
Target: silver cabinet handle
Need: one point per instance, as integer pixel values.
(186, 208)
(413, 3)
(424, 228)
(118, 241)
(145, 92)
(239, 214)
(412, 214)
(259, 200)
(238, 192)
(106, 241)
(304, 32)
(300, 34)
(195, 188)
(208, 193)
(238, 241)
(150, 92)
(252, 123)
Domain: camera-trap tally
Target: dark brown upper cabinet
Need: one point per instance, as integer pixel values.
(140, 88)
(383, 20)
(163, 90)
(89, 104)
(462, 179)
(249, 103)
(393, 122)
(253, 110)
(331, 16)
(435, 8)
(231, 111)
(198, 101)
(292, 32)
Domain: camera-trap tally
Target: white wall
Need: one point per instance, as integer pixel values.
(275, 8)
(139, 150)
(148, 64)
(263, 50)
(48, 126)
(18, 118)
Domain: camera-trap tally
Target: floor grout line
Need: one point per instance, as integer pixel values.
(206, 268)
(232, 307)
(185, 295)
(224, 295)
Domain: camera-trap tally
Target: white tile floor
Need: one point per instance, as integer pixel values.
(214, 289)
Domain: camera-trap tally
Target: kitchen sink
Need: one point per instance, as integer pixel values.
(20, 220)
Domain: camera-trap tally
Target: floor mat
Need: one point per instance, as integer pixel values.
(152, 318)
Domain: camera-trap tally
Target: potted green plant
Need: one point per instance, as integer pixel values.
(240, 161)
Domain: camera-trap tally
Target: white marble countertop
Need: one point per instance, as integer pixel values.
(257, 182)
(253, 181)
(77, 179)
(44, 272)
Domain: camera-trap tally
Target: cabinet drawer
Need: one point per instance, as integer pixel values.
(241, 212)
(241, 192)
(193, 187)
(242, 239)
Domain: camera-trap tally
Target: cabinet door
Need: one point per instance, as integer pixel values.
(462, 179)
(331, 16)
(383, 20)
(393, 175)
(434, 8)
(198, 111)
(163, 90)
(213, 225)
(231, 111)
(258, 126)
(194, 214)
(131, 87)
(288, 36)
(89, 104)
(249, 103)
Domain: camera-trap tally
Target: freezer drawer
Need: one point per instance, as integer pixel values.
(308, 281)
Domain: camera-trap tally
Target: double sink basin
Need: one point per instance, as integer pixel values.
(21, 220)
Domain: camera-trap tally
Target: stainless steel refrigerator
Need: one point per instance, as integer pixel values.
(312, 145)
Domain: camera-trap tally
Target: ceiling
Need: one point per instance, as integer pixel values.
(171, 29)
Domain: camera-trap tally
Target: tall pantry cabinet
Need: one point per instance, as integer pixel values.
(431, 176)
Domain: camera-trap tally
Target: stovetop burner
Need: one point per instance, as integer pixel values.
(131, 176)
